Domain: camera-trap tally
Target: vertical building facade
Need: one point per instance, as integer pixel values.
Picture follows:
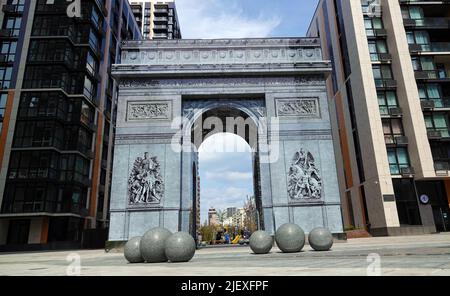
(389, 100)
(157, 18)
(58, 109)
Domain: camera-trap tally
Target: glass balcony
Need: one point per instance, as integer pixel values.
(432, 74)
(428, 23)
(431, 47)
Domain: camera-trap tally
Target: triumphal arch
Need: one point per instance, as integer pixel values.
(274, 92)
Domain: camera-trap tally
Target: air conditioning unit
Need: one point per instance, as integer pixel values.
(441, 168)
(385, 57)
(9, 8)
(402, 140)
(427, 104)
(395, 111)
(408, 172)
(414, 48)
(434, 135)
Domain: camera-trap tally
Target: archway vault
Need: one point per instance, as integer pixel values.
(263, 81)
(208, 117)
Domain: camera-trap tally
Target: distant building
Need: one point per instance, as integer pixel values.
(231, 212)
(213, 218)
(157, 19)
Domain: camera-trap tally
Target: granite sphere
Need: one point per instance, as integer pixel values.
(320, 239)
(290, 238)
(132, 251)
(261, 242)
(180, 247)
(153, 243)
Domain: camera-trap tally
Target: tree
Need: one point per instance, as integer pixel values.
(208, 233)
(221, 216)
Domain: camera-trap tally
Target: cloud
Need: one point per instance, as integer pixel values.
(221, 19)
(229, 176)
(222, 145)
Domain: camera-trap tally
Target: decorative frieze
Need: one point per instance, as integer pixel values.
(298, 107)
(137, 111)
(181, 52)
(311, 80)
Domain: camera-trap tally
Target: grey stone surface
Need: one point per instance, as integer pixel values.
(160, 81)
(132, 250)
(180, 247)
(320, 239)
(153, 245)
(400, 256)
(261, 242)
(290, 238)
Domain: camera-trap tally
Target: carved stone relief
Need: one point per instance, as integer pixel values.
(145, 184)
(304, 180)
(148, 110)
(298, 107)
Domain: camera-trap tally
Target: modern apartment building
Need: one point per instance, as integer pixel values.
(389, 95)
(58, 110)
(157, 18)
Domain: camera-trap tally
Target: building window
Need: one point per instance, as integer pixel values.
(431, 91)
(421, 38)
(13, 25)
(74, 168)
(5, 77)
(412, 12)
(437, 122)
(406, 201)
(33, 165)
(38, 134)
(3, 100)
(90, 89)
(376, 48)
(398, 160)
(386, 101)
(8, 50)
(392, 129)
(19, 4)
(372, 24)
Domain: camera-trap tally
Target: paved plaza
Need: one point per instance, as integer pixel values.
(413, 255)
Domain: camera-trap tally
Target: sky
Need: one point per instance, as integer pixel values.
(244, 18)
(226, 178)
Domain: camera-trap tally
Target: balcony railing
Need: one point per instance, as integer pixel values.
(385, 83)
(376, 33)
(13, 8)
(381, 57)
(428, 22)
(399, 140)
(431, 104)
(431, 47)
(438, 133)
(432, 74)
(161, 19)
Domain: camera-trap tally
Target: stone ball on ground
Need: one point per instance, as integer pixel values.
(261, 242)
(153, 243)
(290, 238)
(180, 247)
(320, 239)
(132, 250)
